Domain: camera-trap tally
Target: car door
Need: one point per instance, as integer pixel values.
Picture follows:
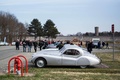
(69, 57)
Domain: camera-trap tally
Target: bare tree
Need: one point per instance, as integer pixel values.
(22, 31)
(10, 27)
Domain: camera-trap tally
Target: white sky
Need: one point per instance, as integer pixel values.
(69, 16)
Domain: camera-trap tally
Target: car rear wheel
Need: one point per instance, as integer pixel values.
(83, 66)
(40, 63)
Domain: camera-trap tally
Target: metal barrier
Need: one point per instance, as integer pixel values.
(18, 64)
(26, 61)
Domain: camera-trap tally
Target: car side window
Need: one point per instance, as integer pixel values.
(71, 52)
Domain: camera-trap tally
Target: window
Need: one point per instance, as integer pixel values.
(71, 52)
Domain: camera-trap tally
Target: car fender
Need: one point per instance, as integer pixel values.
(86, 60)
(83, 61)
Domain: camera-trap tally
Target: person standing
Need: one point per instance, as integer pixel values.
(24, 45)
(89, 47)
(35, 45)
(103, 44)
(107, 45)
(99, 45)
(41, 43)
(29, 45)
(60, 45)
(45, 44)
(17, 44)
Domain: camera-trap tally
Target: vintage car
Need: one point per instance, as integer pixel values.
(68, 55)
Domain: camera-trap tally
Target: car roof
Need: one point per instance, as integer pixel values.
(69, 46)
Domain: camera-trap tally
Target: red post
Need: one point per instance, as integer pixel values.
(113, 40)
(9, 64)
(112, 28)
(15, 65)
(25, 61)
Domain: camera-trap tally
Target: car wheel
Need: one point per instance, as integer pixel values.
(83, 66)
(40, 63)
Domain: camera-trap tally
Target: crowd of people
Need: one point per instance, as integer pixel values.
(42, 44)
(28, 44)
(100, 45)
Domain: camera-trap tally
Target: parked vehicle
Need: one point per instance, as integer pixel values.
(4, 44)
(95, 42)
(68, 55)
(13, 43)
(51, 46)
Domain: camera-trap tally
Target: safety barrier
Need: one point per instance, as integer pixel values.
(25, 62)
(18, 65)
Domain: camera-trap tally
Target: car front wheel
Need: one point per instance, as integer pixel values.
(40, 63)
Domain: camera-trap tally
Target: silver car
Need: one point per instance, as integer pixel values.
(68, 55)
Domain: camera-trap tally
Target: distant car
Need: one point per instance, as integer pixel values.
(95, 42)
(51, 46)
(13, 43)
(4, 43)
(68, 55)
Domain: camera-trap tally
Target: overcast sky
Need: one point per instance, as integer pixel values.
(69, 16)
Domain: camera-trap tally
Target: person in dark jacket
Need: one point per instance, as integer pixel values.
(41, 43)
(89, 47)
(29, 45)
(45, 44)
(35, 45)
(24, 45)
(107, 45)
(60, 45)
(17, 44)
(99, 45)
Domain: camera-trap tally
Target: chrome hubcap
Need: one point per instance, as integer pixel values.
(40, 63)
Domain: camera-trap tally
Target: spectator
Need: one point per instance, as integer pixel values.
(45, 44)
(99, 45)
(24, 45)
(41, 43)
(29, 45)
(107, 45)
(17, 44)
(89, 47)
(35, 45)
(67, 42)
(60, 45)
(103, 44)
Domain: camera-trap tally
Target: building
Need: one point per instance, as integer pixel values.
(96, 31)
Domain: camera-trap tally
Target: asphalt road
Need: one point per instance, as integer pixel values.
(7, 52)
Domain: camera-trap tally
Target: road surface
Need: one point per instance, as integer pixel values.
(7, 52)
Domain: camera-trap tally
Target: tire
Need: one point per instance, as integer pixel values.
(40, 63)
(83, 66)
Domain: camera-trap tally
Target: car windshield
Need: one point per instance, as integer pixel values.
(62, 49)
(95, 41)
